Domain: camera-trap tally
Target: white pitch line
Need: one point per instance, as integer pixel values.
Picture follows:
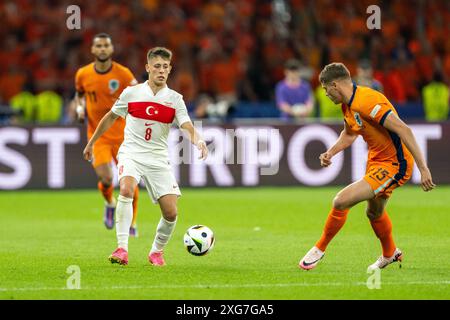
(225, 286)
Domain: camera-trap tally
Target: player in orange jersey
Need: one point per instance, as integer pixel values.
(98, 86)
(392, 149)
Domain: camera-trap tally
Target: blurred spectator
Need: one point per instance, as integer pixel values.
(228, 49)
(393, 84)
(293, 94)
(224, 76)
(183, 81)
(201, 107)
(6, 113)
(409, 76)
(256, 85)
(424, 61)
(11, 82)
(207, 108)
(436, 99)
(327, 108)
(48, 107)
(364, 76)
(24, 103)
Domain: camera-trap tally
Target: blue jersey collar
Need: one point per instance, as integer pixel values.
(353, 95)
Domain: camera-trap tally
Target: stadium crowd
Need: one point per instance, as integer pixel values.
(224, 51)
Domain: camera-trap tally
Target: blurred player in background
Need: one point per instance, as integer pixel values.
(392, 147)
(364, 76)
(149, 109)
(98, 85)
(293, 95)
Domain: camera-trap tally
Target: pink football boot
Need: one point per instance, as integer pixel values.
(119, 256)
(156, 259)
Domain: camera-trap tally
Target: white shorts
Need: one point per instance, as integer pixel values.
(158, 179)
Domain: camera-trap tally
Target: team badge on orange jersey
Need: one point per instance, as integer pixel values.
(113, 85)
(358, 119)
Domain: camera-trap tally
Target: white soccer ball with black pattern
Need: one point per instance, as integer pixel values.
(199, 240)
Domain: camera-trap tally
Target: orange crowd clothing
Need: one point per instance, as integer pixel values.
(101, 90)
(389, 163)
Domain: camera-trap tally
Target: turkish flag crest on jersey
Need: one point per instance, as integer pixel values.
(151, 111)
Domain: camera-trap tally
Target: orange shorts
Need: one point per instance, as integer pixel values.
(385, 177)
(104, 152)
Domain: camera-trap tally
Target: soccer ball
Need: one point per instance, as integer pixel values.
(199, 240)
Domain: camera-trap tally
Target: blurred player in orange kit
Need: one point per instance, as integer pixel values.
(392, 151)
(98, 85)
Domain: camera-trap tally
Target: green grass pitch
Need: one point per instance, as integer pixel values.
(261, 234)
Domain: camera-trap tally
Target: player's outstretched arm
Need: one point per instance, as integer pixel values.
(106, 123)
(195, 139)
(345, 140)
(395, 124)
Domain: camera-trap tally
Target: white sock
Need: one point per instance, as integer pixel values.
(124, 216)
(113, 203)
(163, 232)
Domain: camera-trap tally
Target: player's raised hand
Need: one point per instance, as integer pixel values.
(325, 159)
(201, 145)
(426, 180)
(87, 153)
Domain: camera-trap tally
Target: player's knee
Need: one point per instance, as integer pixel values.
(126, 191)
(372, 214)
(106, 181)
(170, 214)
(339, 203)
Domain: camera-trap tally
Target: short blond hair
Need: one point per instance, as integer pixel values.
(159, 52)
(334, 71)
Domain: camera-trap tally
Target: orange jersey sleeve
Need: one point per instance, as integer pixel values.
(101, 91)
(373, 105)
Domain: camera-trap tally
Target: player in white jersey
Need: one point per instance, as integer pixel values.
(149, 109)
